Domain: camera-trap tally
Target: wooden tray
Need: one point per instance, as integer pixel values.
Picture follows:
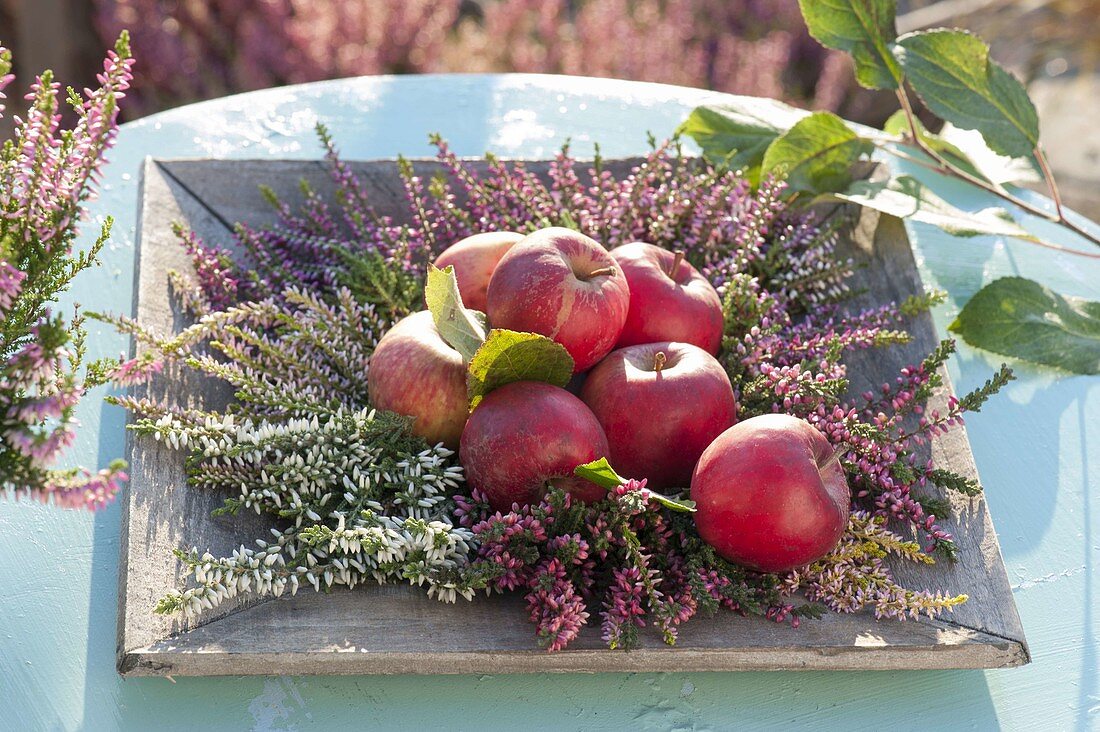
(396, 628)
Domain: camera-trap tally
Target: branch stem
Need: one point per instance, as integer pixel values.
(1051, 185)
(1049, 245)
(945, 167)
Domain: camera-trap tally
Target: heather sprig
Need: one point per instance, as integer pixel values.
(46, 175)
(292, 325)
(854, 576)
(365, 501)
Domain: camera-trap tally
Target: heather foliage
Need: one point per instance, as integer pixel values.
(355, 498)
(46, 175)
(209, 48)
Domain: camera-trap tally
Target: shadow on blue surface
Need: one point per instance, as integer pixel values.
(705, 701)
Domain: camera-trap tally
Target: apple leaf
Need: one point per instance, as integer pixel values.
(731, 136)
(865, 29)
(602, 474)
(906, 197)
(676, 504)
(1018, 317)
(508, 355)
(998, 169)
(463, 329)
(952, 73)
(898, 124)
(816, 154)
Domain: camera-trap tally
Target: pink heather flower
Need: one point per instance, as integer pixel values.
(623, 609)
(135, 370)
(555, 607)
(40, 448)
(11, 284)
(84, 490)
(632, 496)
(39, 409)
(28, 366)
(44, 182)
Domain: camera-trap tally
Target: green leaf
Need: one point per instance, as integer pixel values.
(732, 136)
(898, 124)
(1018, 317)
(816, 154)
(602, 474)
(863, 28)
(463, 329)
(507, 356)
(676, 504)
(998, 169)
(907, 198)
(952, 73)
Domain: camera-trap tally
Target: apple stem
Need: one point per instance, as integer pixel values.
(676, 264)
(659, 361)
(601, 272)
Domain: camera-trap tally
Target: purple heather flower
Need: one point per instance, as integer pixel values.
(11, 284)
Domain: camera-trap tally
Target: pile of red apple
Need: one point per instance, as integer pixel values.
(643, 327)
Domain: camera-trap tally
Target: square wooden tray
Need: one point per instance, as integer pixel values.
(397, 629)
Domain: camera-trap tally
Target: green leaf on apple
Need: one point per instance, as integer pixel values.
(952, 73)
(906, 197)
(817, 154)
(508, 355)
(865, 29)
(602, 474)
(463, 329)
(1018, 317)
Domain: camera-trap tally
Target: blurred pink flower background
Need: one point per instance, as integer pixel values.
(199, 49)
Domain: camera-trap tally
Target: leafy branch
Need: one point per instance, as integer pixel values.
(946, 167)
(951, 72)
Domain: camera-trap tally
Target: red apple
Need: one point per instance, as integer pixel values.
(525, 434)
(414, 372)
(660, 405)
(474, 259)
(669, 299)
(564, 285)
(771, 494)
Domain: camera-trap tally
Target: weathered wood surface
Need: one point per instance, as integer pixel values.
(396, 629)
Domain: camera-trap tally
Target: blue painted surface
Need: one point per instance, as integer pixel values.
(1037, 448)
